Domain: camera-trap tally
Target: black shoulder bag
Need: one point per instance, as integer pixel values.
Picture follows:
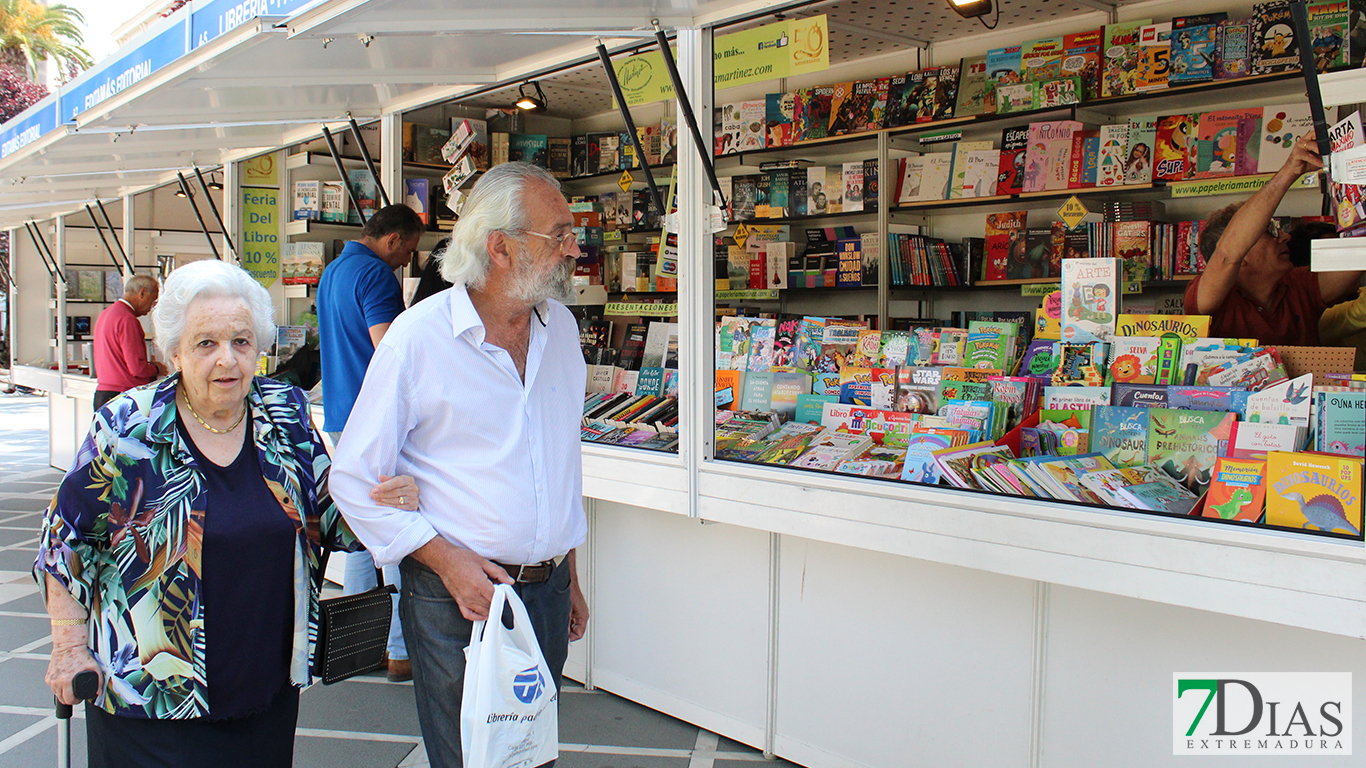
(353, 631)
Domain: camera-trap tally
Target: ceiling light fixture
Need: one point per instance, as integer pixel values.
(531, 102)
(180, 193)
(977, 9)
(971, 9)
(215, 184)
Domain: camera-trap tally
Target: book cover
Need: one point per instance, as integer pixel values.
(1133, 360)
(1237, 490)
(1256, 440)
(1216, 142)
(531, 148)
(1114, 148)
(857, 110)
(1196, 398)
(979, 172)
(838, 342)
(1308, 491)
(1048, 155)
(1281, 126)
(1274, 47)
(1133, 244)
(1185, 444)
(778, 119)
(364, 191)
(972, 81)
(1058, 92)
(1121, 57)
(817, 123)
(1233, 54)
(417, 195)
(1042, 58)
(1082, 59)
(1193, 50)
(1138, 163)
(1005, 237)
(1014, 97)
(1340, 422)
(1154, 57)
(856, 386)
(919, 465)
(661, 346)
(849, 273)
(1139, 395)
(1011, 174)
(852, 177)
(877, 115)
(811, 407)
(1328, 33)
(758, 392)
(1175, 137)
(842, 108)
(1003, 69)
(307, 205)
(894, 114)
(1121, 434)
(935, 176)
(946, 92)
(1090, 296)
(1162, 495)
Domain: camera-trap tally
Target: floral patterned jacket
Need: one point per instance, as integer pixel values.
(124, 536)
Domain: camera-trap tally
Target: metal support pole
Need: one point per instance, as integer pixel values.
(202, 226)
(703, 150)
(44, 252)
(370, 164)
(631, 129)
(100, 231)
(214, 208)
(115, 236)
(1299, 16)
(341, 171)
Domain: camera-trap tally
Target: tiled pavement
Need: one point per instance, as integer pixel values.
(365, 722)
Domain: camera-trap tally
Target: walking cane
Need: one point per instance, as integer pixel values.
(85, 685)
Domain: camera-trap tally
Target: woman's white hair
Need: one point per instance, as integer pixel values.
(494, 205)
(210, 279)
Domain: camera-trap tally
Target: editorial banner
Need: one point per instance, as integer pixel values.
(782, 49)
(260, 252)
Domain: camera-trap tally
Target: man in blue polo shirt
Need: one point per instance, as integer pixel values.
(358, 297)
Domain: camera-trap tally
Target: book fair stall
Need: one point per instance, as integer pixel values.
(902, 433)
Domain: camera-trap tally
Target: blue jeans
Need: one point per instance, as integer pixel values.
(360, 576)
(439, 634)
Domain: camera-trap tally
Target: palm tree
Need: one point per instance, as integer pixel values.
(31, 32)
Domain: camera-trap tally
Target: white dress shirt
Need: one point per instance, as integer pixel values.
(496, 460)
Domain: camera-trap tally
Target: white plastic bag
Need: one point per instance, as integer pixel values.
(509, 713)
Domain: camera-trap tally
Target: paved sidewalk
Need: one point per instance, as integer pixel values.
(365, 722)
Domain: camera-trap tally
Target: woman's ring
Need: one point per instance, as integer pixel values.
(401, 500)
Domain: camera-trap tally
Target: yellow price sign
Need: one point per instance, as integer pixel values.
(741, 235)
(1072, 212)
(625, 181)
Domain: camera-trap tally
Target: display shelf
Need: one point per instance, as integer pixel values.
(1233, 570)
(866, 213)
(305, 159)
(311, 226)
(1159, 101)
(661, 175)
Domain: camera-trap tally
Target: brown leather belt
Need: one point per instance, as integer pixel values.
(529, 574)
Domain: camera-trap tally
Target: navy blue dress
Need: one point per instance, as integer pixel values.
(248, 596)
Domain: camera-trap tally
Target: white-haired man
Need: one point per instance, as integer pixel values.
(477, 393)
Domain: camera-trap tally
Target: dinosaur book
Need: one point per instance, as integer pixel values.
(1185, 444)
(1237, 490)
(1314, 491)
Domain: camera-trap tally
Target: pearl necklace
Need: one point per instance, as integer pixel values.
(205, 424)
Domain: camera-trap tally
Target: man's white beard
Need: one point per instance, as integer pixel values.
(532, 289)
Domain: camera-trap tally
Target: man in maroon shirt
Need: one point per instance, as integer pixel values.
(1249, 288)
(120, 347)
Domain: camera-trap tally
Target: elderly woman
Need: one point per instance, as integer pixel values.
(186, 542)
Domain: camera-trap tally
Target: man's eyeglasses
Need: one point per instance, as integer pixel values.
(565, 241)
(1273, 229)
